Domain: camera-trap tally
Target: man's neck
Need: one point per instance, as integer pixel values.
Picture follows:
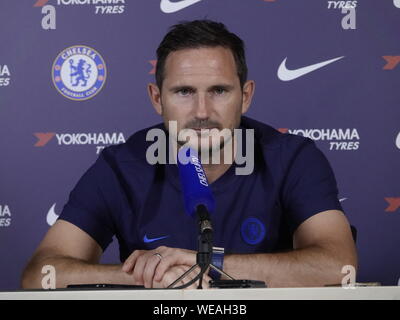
(215, 171)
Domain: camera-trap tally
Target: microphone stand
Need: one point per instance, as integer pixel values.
(204, 251)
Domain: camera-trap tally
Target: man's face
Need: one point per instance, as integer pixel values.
(201, 90)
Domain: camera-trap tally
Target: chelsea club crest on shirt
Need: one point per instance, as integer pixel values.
(79, 73)
(252, 230)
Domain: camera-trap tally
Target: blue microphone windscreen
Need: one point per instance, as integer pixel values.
(194, 183)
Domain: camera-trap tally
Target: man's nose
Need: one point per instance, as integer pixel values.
(202, 107)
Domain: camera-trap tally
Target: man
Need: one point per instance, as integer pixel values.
(281, 224)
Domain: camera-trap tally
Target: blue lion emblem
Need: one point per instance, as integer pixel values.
(81, 72)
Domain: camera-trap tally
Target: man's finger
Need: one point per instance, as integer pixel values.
(174, 273)
(130, 261)
(163, 266)
(176, 257)
(149, 269)
(139, 267)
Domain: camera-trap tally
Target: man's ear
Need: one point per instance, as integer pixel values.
(155, 97)
(248, 92)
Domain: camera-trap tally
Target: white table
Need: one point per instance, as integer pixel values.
(328, 293)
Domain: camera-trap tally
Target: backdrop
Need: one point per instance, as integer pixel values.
(73, 76)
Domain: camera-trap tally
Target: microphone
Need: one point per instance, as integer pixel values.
(198, 201)
(197, 195)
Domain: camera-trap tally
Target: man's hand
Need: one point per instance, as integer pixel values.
(175, 272)
(150, 266)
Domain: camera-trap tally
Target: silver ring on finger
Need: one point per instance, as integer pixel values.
(158, 255)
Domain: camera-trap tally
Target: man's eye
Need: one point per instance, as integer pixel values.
(184, 92)
(219, 91)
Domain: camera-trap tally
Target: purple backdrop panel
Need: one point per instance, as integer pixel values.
(322, 70)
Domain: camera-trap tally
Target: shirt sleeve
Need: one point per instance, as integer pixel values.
(310, 186)
(87, 207)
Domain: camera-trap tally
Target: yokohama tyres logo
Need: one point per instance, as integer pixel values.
(337, 139)
(99, 140)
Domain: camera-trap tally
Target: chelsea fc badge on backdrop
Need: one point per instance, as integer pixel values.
(79, 73)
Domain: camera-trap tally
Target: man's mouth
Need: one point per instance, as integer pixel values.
(203, 130)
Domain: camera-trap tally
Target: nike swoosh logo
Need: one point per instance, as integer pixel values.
(167, 6)
(343, 199)
(52, 216)
(285, 74)
(149, 240)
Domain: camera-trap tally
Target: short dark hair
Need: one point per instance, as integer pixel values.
(200, 34)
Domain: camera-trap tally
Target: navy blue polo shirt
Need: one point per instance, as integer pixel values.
(123, 195)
